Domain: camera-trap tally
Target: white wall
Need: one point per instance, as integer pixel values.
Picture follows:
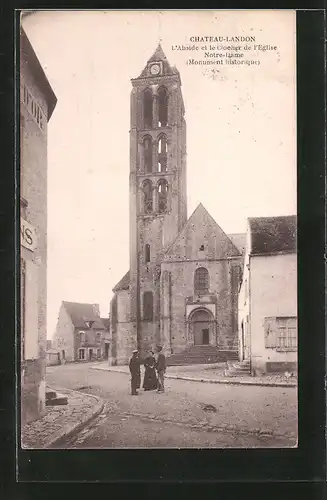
(63, 338)
(244, 303)
(273, 292)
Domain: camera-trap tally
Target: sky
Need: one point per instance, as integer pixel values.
(241, 132)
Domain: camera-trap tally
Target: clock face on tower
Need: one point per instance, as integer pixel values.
(155, 69)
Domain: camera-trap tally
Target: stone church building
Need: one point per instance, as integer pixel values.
(181, 290)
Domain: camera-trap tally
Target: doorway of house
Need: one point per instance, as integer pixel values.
(90, 354)
(106, 351)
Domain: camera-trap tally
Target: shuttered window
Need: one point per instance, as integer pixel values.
(281, 333)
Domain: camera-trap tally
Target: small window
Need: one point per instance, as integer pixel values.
(98, 336)
(147, 253)
(201, 281)
(147, 195)
(162, 154)
(162, 196)
(147, 150)
(81, 353)
(148, 306)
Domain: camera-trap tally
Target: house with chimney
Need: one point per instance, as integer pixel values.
(81, 334)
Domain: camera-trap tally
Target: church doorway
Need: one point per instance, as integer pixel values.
(202, 327)
(205, 336)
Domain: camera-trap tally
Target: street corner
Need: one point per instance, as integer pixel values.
(84, 409)
(61, 422)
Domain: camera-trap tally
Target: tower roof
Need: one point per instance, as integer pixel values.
(159, 56)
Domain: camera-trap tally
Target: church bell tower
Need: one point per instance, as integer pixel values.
(158, 208)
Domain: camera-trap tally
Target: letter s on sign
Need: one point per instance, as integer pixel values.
(28, 236)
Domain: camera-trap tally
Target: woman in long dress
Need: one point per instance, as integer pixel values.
(150, 382)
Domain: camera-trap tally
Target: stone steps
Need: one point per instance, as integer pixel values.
(201, 355)
(238, 368)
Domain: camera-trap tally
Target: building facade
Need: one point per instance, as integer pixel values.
(81, 334)
(37, 103)
(181, 289)
(268, 296)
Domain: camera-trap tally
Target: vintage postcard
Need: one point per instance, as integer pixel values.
(158, 229)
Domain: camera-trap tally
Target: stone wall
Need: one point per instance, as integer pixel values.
(182, 287)
(125, 339)
(273, 293)
(33, 193)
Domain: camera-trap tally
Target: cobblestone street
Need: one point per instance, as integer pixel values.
(245, 416)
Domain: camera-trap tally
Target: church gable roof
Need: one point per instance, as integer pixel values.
(123, 284)
(159, 56)
(201, 239)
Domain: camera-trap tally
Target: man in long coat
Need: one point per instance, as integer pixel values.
(134, 368)
(161, 369)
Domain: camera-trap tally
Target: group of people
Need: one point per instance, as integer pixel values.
(154, 371)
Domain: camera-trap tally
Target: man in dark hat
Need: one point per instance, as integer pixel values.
(161, 368)
(134, 368)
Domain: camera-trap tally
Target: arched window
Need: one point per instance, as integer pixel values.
(147, 149)
(201, 281)
(81, 336)
(163, 107)
(147, 194)
(147, 108)
(162, 154)
(148, 306)
(162, 196)
(147, 253)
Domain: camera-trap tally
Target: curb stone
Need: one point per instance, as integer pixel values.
(230, 382)
(75, 429)
(211, 381)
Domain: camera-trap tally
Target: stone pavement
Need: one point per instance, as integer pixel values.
(211, 373)
(61, 422)
(248, 411)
